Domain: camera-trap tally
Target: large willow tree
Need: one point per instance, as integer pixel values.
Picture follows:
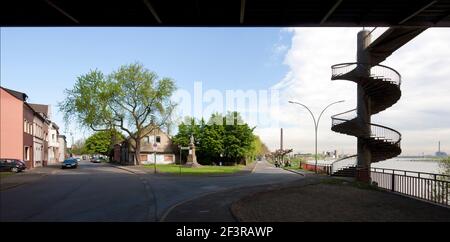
(132, 99)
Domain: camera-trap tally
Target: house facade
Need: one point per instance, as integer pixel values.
(53, 145)
(39, 136)
(62, 148)
(28, 130)
(11, 124)
(25, 130)
(155, 146)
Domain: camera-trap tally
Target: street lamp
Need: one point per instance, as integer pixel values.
(316, 124)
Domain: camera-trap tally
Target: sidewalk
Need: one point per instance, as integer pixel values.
(27, 176)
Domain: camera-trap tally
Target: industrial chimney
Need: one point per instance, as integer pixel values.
(281, 139)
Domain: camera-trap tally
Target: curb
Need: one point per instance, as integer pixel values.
(137, 172)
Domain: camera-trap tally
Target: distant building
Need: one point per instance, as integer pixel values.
(440, 153)
(164, 153)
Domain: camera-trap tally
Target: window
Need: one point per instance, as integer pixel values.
(151, 139)
(158, 139)
(26, 153)
(146, 139)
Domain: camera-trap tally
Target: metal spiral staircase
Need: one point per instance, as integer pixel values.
(382, 87)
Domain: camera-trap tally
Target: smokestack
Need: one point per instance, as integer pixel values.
(281, 139)
(439, 146)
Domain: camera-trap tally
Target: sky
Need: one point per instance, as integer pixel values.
(279, 64)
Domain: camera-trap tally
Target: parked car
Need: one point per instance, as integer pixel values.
(13, 165)
(97, 159)
(78, 159)
(70, 163)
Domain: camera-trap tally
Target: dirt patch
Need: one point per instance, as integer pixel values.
(340, 201)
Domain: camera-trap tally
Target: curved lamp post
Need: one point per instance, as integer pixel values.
(316, 123)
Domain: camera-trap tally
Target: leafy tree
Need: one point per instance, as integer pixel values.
(102, 142)
(445, 165)
(226, 139)
(131, 99)
(238, 138)
(259, 149)
(78, 148)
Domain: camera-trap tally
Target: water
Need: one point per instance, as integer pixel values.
(415, 164)
(411, 164)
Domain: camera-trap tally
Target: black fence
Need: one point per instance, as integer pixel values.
(427, 186)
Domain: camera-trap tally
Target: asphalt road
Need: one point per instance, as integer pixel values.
(100, 192)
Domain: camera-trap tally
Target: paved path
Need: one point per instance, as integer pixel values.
(101, 192)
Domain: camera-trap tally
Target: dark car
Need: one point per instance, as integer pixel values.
(13, 165)
(70, 163)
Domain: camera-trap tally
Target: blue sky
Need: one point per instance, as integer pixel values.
(42, 62)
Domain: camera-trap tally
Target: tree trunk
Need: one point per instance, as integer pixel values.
(137, 153)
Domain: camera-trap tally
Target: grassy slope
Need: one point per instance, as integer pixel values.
(198, 170)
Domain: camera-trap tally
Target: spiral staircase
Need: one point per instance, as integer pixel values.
(382, 87)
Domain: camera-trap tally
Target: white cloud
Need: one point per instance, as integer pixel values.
(422, 114)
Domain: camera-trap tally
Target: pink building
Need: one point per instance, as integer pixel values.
(12, 124)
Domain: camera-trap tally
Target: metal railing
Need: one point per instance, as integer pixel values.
(376, 131)
(387, 134)
(342, 69)
(383, 72)
(343, 163)
(427, 186)
(343, 117)
(386, 73)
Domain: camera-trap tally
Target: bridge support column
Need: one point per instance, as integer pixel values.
(363, 106)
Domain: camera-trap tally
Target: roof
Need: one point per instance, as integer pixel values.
(19, 95)
(315, 13)
(36, 113)
(40, 108)
(55, 125)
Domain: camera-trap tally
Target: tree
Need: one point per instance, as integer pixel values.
(220, 139)
(445, 163)
(259, 149)
(131, 99)
(78, 148)
(238, 138)
(102, 142)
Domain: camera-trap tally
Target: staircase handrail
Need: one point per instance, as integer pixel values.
(385, 72)
(334, 166)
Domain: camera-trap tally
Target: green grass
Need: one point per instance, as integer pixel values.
(203, 170)
(4, 174)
